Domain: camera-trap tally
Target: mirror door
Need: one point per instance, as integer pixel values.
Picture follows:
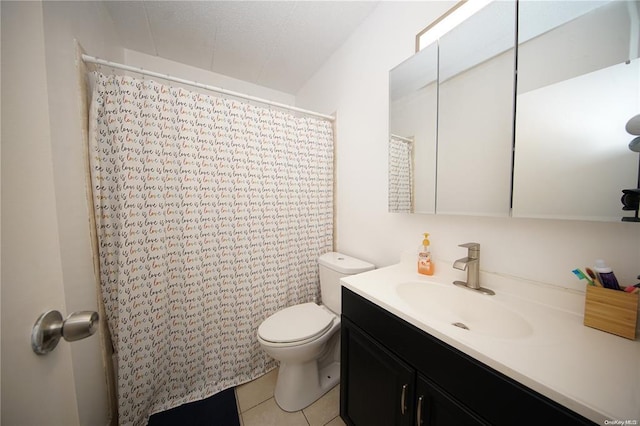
(413, 109)
(475, 113)
(578, 85)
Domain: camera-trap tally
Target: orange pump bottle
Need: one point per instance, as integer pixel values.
(425, 263)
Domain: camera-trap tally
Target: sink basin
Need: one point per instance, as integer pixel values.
(462, 308)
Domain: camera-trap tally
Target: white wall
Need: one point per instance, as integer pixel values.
(354, 84)
(176, 69)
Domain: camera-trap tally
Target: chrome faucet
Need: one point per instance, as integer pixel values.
(471, 264)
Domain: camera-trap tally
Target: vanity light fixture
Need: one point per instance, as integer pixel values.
(454, 16)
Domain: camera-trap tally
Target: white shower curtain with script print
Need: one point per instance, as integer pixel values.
(211, 214)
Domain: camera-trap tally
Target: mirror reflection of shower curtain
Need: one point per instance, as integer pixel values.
(210, 214)
(400, 174)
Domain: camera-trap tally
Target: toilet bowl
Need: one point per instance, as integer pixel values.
(303, 377)
(305, 338)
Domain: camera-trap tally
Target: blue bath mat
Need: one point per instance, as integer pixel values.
(217, 410)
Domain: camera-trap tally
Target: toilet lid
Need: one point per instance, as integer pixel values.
(295, 323)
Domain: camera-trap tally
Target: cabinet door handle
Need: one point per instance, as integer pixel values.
(403, 399)
(419, 409)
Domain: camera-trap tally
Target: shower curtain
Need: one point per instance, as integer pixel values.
(400, 175)
(210, 214)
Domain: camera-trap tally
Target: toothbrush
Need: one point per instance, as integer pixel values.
(594, 277)
(578, 273)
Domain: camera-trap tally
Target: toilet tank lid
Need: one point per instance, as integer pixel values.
(344, 264)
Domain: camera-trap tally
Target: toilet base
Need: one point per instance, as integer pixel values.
(300, 385)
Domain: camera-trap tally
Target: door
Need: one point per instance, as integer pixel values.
(377, 388)
(36, 389)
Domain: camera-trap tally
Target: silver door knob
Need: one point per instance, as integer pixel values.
(50, 327)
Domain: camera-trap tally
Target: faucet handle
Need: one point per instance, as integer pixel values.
(474, 250)
(471, 246)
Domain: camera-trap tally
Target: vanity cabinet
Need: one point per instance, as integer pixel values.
(393, 373)
(395, 394)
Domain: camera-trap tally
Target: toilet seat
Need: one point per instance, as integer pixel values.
(296, 324)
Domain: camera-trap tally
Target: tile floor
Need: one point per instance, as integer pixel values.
(258, 408)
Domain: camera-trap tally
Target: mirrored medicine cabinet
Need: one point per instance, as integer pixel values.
(549, 144)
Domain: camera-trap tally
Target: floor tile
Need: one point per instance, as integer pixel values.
(336, 422)
(269, 414)
(257, 391)
(239, 412)
(323, 410)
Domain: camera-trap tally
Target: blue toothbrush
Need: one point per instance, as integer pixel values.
(578, 273)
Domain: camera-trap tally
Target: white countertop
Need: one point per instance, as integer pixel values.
(591, 372)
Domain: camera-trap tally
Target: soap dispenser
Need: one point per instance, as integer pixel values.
(425, 264)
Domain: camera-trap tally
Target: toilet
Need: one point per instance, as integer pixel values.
(305, 338)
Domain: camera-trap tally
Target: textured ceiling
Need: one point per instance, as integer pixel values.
(276, 44)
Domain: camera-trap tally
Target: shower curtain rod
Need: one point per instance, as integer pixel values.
(94, 60)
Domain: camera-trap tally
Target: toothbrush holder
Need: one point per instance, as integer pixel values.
(612, 311)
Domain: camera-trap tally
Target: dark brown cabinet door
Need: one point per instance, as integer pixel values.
(377, 388)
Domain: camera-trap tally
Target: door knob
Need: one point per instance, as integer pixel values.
(50, 327)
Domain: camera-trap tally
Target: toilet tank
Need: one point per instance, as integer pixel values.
(334, 266)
